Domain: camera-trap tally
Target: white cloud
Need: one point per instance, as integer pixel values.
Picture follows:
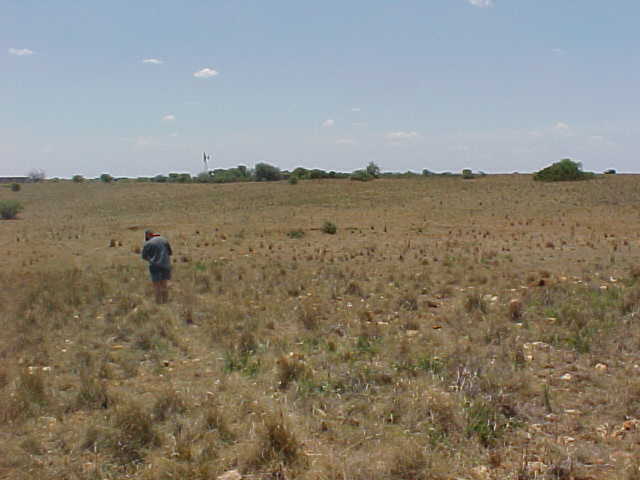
(345, 141)
(153, 61)
(205, 73)
(169, 117)
(329, 122)
(20, 52)
(355, 109)
(561, 126)
(481, 3)
(399, 136)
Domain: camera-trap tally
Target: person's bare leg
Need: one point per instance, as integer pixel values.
(165, 291)
(157, 287)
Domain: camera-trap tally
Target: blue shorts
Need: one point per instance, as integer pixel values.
(159, 274)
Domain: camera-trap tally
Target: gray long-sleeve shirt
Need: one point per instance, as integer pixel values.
(157, 251)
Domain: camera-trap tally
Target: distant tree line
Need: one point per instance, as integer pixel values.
(564, 170)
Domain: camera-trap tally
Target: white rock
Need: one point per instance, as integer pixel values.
(231, 475)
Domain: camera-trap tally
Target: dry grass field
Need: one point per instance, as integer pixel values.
(449, 329)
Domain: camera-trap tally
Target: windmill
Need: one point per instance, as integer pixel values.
(205, 159)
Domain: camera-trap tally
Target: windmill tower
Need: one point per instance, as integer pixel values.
(205, 160)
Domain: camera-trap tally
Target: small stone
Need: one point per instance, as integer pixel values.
(230, 475)
(566, 376)
(601, 367)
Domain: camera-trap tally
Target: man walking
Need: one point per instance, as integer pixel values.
(157, 251)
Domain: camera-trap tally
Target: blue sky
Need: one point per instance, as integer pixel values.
(140, 88)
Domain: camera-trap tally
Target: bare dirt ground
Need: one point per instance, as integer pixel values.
(473, 329)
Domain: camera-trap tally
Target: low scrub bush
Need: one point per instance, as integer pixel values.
(15, 187)
(9, 209)
(361, 176)
(329, 227)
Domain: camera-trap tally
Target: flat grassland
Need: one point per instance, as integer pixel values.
(450, 328)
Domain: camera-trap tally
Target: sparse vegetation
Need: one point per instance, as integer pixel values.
(15, 187)
(439, 335)
(329, 227)
(77, 179)
(9, 209)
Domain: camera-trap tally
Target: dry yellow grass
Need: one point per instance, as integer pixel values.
(450, 328)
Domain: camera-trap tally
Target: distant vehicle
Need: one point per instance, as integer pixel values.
(611, 171)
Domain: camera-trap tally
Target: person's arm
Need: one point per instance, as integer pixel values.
(169, 249)
(145, 251)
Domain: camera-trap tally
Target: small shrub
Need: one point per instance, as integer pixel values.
(475, 303)
(293, 180)
(295, 234)
(92, 393)
(214, 419)
(133, 432)
(9, 209)
(484, 422)
(276, 443)
(106, 178)
(289, 369)
(77, 179)
(15, 187)
(467, 174)
(169, 403)
(329, 227)
(361, 176)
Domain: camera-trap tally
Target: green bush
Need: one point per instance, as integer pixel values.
(266, 172)
(106, 178)
(15, 187)
(77, 178)
(361, 176)
(293, 180)
(467, 174)
(329, 227)
(565, 170)
(9, 209)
